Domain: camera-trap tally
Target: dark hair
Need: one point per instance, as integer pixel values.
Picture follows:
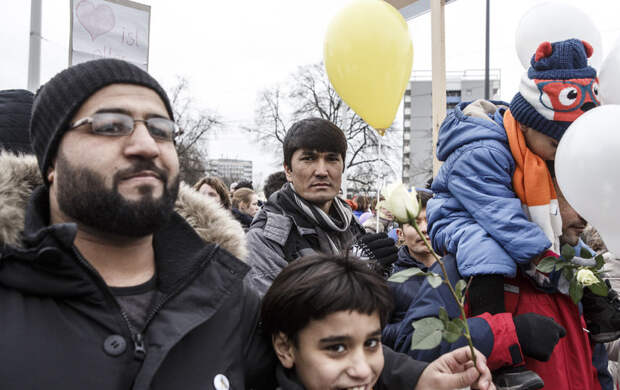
(244, 184)
(314, 134)
(316, 286)
(218, 185)
(242, 195)
(429, 184)
(274, 182)
(424, 195)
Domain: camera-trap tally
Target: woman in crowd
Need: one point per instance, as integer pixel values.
(244, 206)
(215, 188)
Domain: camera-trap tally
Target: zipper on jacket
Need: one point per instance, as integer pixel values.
(139, 351)
(136, 337)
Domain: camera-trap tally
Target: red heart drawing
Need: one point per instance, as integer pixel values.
(96, 20)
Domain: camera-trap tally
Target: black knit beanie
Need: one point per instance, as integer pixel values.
(57, 101)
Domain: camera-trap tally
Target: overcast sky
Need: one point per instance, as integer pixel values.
(230, 50)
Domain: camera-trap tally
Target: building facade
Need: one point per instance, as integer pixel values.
(418, 116)
(231, 169)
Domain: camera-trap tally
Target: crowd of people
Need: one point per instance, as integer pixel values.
(116, 275)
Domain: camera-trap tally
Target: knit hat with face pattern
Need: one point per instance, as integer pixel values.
(557, 88)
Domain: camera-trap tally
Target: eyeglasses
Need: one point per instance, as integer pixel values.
(114, 124)
(566, 96)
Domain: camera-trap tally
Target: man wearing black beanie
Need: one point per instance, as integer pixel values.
(104, 285)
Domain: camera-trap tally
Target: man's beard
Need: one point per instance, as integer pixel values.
(83, 196)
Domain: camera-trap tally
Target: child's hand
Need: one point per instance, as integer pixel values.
(455, 370)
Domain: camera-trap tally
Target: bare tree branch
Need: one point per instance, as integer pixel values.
(310, 94)
(196, 125)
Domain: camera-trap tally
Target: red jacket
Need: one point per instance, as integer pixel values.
(571, 366)
(564, 370)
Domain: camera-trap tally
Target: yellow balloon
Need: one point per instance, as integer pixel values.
(368, 57)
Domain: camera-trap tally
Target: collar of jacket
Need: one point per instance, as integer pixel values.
(406, 261)
(243, 218)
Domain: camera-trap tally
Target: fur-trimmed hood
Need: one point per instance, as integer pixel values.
(19, 176)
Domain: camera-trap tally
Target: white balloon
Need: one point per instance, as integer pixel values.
(609, 77)
(587, 165)
(555, 21)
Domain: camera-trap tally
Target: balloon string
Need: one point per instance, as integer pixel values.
(379, 185)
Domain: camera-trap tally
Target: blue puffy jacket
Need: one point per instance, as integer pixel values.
(475, 213)
(403, 294)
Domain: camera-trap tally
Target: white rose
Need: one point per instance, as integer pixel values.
(400, 202)
(586, 277)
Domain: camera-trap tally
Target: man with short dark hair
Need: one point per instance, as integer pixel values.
(306, 216)
(107, 287)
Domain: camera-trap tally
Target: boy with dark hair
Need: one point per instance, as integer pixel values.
(324, 314)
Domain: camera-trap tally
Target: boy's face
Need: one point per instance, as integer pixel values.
(340, 351)
(539, 143)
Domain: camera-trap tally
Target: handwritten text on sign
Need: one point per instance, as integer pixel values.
(110, 28)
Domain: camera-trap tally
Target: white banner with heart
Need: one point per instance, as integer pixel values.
(109, 28)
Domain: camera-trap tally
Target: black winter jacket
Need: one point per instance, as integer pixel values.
(62, 328)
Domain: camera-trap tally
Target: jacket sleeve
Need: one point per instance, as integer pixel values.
(266, 257)
(260, 360)
(399, 371)
(493, 335)
(481, 180)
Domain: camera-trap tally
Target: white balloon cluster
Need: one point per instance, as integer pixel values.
(587, 161)
(587, 165)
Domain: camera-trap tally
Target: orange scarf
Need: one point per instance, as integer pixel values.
(533, 184)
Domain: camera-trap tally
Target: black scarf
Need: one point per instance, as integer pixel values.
(334, 231)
